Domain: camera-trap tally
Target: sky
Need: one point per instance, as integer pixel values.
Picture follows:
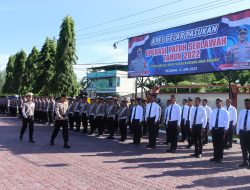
(98, 24)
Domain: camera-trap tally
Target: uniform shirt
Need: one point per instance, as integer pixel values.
(208, 112)
(201, 117)
(100, 110)
(28, 109)
(51, 106)
(111, 110)
(223, 119)
(183, 111)
(71, 107)
(123, 113)
(186, 115)
(241, 120)
(85, 107)
(165, 115)
(155, 111)
(175, 114)
(61, 110)
(78, 106)
(92, 109)
(138, 114)
(232, 113)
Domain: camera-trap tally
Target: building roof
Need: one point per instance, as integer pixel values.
(120, 67)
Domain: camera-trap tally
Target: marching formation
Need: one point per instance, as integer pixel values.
(194, 120)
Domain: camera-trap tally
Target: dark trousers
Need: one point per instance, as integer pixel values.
(116, 122)
(218, 142)
(111, 126)
(57, 127)
(167, 135)
(28, 121)
(229, 135)
(136, 131)
(45, 117)
(245, 145)
(197, 137)
(50, 116)
(85, 122)
(123, 128)
(205, 134)
(152, 131)
(92, 123)
(71, 121)
(144, 128)
(189, 134)
(77, 119)
(99, 124)
(20, 112)
(183, 131)
(173, 134)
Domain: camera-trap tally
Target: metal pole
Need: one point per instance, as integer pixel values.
(142, 85)
(136, 87)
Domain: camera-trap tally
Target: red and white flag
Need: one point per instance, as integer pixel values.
(237, 19)
(137, 41)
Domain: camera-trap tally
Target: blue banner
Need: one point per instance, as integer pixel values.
(213, 45)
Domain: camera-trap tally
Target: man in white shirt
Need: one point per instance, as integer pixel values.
(173, 121)
(184, 131)
(243, 131)
(198, 121)
(232, 124)
(136, 120)
(187, 123)
(165, 122)
(219, 124)
(208, 112)
(152, 118)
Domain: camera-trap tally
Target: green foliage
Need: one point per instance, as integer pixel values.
(64, 79)
(2, 80)
(7, 87)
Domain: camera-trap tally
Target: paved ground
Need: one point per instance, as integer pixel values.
(96, 163)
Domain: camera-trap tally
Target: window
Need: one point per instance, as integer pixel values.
(118, 81)
(110, 83)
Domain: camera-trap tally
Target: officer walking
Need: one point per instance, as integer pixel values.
(243, 131)
(198, 121)
(61, 121)
(28, 111)
(219, 125)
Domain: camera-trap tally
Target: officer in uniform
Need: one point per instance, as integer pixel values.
(123, 116)
(219, 125)
(173, 122)
(152, 119)
(92, 115)
(136, 120)
(138, 64)
(187, 123)
(61, 120)
(116, 104)
(28, 111)
(71, 113)
(131, 105)
(77, 116)
(184, 130)
(144, 123)
(240, 52)
(111, 113)
(100, 112)
(232, 124)
(84, 113)
(243, 132)
(51, 110)
(208, 112)
(165, 122)
(198, 121)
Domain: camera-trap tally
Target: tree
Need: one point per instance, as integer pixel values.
(29, 76)
(18, 72)
(46, 68)
(7, 87)
(2, 80)
(64, 80)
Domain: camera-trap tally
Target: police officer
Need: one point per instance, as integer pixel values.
(144, 123)
(123, 116)
(136, 120)
(100, 112)
(84, 113)
(198, 121)
(92, 115)
(219, 125)
(152, 119)
(184, 130)
(232, 124)
(243, 132)
(61, 121)
(173, 121)
(165, 122)
(187, 123)
(77, 116)
(208, 112)
(51, 110)
(131, 105)
(111, 112)
(28, 111)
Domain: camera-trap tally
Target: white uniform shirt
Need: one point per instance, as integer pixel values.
(175, 114)
(155, 111)
(201, 117)
(208, 112)
(138, 114)
(232, 113)
(183, 110)
(241, 120)
(223, 118)
(186, 116)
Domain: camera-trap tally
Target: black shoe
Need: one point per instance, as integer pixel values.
(121, 140)
(66, 146)
(243, 164)
(21, 138)
(31, 141)
(52, 143)
(132, 143)
(193, 155)
(188, 147)
(172, 151)
(198, 156)
(219, 161)
(212, 159)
